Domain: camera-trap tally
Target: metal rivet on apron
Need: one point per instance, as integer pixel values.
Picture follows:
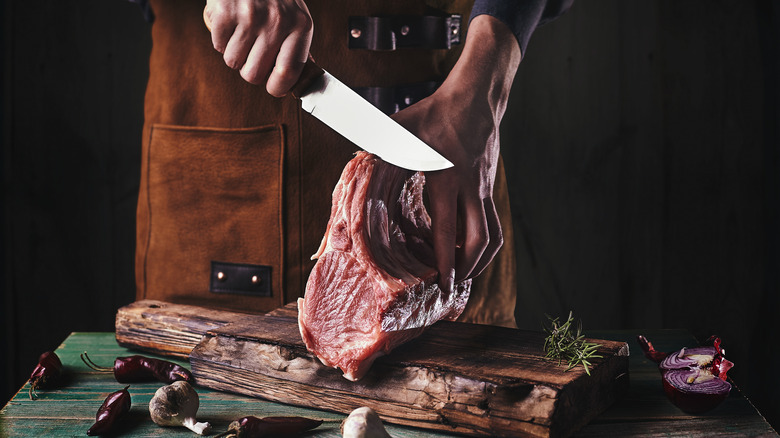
(356, 33)
(404, 30)
(455, 30)
(221, 276)
(255, 279)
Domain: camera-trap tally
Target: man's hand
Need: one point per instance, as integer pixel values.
(461, 121)
(266, 40)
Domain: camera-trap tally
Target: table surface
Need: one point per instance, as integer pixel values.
(70, 409)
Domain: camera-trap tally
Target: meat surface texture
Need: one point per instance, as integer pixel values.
(373, 286)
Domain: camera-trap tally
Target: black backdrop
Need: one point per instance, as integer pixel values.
(641, 144)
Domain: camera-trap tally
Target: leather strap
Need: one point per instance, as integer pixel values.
(238, 278)
(393, 99)
(404, 31)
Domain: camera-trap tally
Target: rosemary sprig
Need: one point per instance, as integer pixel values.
(565, 342)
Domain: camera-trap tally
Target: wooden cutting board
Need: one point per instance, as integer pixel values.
(457, 377)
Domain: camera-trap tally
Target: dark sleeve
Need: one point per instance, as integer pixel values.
(522, 16)
(146, 8)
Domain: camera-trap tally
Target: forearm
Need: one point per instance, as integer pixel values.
(485, 70)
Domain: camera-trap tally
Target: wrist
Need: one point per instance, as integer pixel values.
(486, 68)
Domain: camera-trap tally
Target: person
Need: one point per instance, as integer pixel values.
(232, 171)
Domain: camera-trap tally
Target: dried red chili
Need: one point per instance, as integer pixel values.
(253, 427)
(650, 352)
(46, 373)
(134, 369)
(115, 406)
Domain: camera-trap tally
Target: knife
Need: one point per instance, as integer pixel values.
(360, 122)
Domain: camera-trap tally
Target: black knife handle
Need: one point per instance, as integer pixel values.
(311, 71)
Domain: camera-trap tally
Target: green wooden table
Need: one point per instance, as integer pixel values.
(70, 410)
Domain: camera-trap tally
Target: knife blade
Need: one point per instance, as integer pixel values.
(356, 119)
(346, 112)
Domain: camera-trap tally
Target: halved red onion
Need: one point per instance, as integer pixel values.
(694, 379)
(695, 390)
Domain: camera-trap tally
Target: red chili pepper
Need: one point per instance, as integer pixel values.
(253, 427)
(134, 369)
(46, 373)
(116, 405)
(650, 352)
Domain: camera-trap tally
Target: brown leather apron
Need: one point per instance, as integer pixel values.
(231, 174)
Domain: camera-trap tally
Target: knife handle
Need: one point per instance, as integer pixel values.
(311, 71)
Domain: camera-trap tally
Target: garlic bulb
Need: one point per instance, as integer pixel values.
(176, 405)
(363, 423)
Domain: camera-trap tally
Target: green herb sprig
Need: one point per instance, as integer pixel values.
(565, 342)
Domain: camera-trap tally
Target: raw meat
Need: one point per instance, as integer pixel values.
(373, 286)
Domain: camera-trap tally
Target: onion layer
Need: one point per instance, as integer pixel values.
(689, 358)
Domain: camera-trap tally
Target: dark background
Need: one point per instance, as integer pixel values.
(641, 144)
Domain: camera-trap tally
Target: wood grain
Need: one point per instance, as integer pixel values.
(165, 328)
(456, 377)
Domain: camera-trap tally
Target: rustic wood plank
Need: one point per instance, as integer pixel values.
(456, 377)
(498, 354)
(167, 328)
(174, 329)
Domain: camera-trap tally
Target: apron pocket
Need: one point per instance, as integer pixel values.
(214, 195)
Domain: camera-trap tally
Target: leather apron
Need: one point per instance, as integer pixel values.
(233, 175)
